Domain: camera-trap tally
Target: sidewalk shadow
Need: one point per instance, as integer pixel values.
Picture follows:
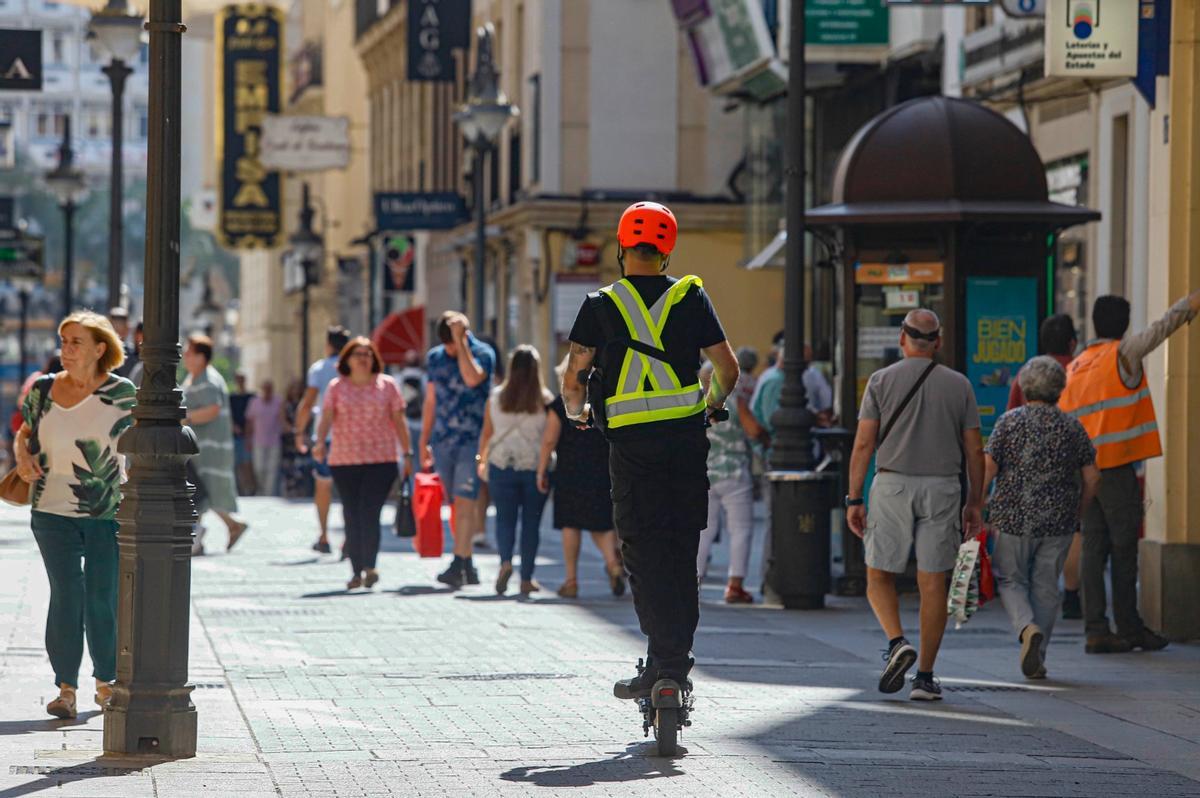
(9, 728)
(339, 593)
(289, 563)
(422, 590)
(53, 778)
(637, 762)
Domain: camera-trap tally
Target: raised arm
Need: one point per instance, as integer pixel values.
(574, 391)
(472, 373)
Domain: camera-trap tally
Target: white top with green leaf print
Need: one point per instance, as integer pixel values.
(83, 472)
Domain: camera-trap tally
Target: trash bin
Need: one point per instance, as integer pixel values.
(798, 559)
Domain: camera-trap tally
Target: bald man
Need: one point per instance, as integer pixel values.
(920, 421)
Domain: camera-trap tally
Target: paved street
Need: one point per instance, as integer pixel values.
(305, 690)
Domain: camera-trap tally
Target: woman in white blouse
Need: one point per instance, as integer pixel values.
(508, 460)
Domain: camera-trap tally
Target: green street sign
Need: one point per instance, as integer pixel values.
(846, 23)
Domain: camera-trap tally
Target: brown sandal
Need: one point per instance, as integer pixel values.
(569, 589)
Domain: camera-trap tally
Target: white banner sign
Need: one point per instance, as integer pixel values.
(1091, 38)
(305, 143)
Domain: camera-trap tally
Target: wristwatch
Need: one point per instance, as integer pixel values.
(848, 502)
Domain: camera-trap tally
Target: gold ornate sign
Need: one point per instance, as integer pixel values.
(249, 56)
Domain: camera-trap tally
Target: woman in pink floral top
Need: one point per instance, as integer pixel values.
(365, 410)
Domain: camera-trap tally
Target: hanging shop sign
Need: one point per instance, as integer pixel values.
(435, 29)
(305, 143)
(396, 210)
(20, 60)
(1001, 336)
(899, 273)
(732, 47)
(842, 23)
(249, 53)
(1091, 38)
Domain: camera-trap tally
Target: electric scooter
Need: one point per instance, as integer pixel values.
(666, 711)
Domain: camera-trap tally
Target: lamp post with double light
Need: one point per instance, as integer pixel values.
(481, 119)
(68, 186)
(119, 34)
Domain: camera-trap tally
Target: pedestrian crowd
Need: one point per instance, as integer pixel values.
(1054, 491)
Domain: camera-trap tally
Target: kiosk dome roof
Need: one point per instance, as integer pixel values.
(942, 159)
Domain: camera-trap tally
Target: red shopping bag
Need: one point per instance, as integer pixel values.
(427, 507)
(987, 582)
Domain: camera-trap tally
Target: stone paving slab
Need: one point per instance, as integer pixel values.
(410, 689)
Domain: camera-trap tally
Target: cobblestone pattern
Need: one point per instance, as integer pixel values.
(305, 690)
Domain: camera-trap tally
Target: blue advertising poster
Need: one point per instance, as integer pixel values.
(1002, 327)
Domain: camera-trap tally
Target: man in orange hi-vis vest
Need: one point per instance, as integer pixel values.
(1107, 392)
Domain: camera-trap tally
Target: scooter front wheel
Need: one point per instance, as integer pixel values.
(666, 731)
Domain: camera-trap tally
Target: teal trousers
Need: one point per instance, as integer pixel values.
(80, 598)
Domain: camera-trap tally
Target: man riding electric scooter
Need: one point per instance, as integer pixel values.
(636, 344)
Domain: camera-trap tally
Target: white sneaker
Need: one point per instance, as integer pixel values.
(198, 541)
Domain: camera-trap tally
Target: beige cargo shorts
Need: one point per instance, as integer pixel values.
(903, 510)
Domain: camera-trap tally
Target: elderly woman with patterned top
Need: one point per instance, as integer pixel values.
(67, 450)
(364, 410)
(1044, 467)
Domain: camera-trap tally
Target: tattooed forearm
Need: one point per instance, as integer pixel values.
(579, 363)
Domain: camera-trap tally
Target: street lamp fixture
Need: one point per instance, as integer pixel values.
(306, 253)
(68, 186)
(482, 118)
(119, 33)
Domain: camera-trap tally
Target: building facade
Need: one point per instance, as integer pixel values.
(609, 114)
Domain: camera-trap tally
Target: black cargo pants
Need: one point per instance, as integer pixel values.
(660, 506)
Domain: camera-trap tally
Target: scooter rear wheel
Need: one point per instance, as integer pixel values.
(666, 731)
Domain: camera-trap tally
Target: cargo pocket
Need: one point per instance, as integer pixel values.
(624, 512)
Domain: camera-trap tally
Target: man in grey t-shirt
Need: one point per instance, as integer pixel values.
(916, 495)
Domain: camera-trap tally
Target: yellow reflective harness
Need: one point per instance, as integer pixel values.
(666, 399)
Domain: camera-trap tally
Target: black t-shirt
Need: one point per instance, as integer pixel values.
(692, 325)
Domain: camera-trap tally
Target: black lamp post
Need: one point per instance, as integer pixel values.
(68, 186)
(120, 34)
(481, 120)
(151, 711)
(303, 266)
(798, 573)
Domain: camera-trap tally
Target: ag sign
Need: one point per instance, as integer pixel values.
(1091, 38)
(20, 60)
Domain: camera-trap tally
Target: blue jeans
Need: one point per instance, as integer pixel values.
(516, 491)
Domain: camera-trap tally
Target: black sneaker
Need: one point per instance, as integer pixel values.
(1072, 608)
(452, 576)
(1148, 641)
(639, 686)
(470, 574)
(1107, 643)
(899, 659)
(925, 688)
(321, 547)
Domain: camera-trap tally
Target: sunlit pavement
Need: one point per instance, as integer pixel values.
(305, 690)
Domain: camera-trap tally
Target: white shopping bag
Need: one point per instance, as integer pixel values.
(964, 587)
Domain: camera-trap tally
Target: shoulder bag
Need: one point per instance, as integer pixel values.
(13, 489)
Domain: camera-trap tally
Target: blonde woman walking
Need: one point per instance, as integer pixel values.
(67, 450)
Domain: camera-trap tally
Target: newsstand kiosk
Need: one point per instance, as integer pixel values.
(940, 203)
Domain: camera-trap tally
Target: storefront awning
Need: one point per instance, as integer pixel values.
(399, 334)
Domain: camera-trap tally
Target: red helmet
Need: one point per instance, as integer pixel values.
(648, 223)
